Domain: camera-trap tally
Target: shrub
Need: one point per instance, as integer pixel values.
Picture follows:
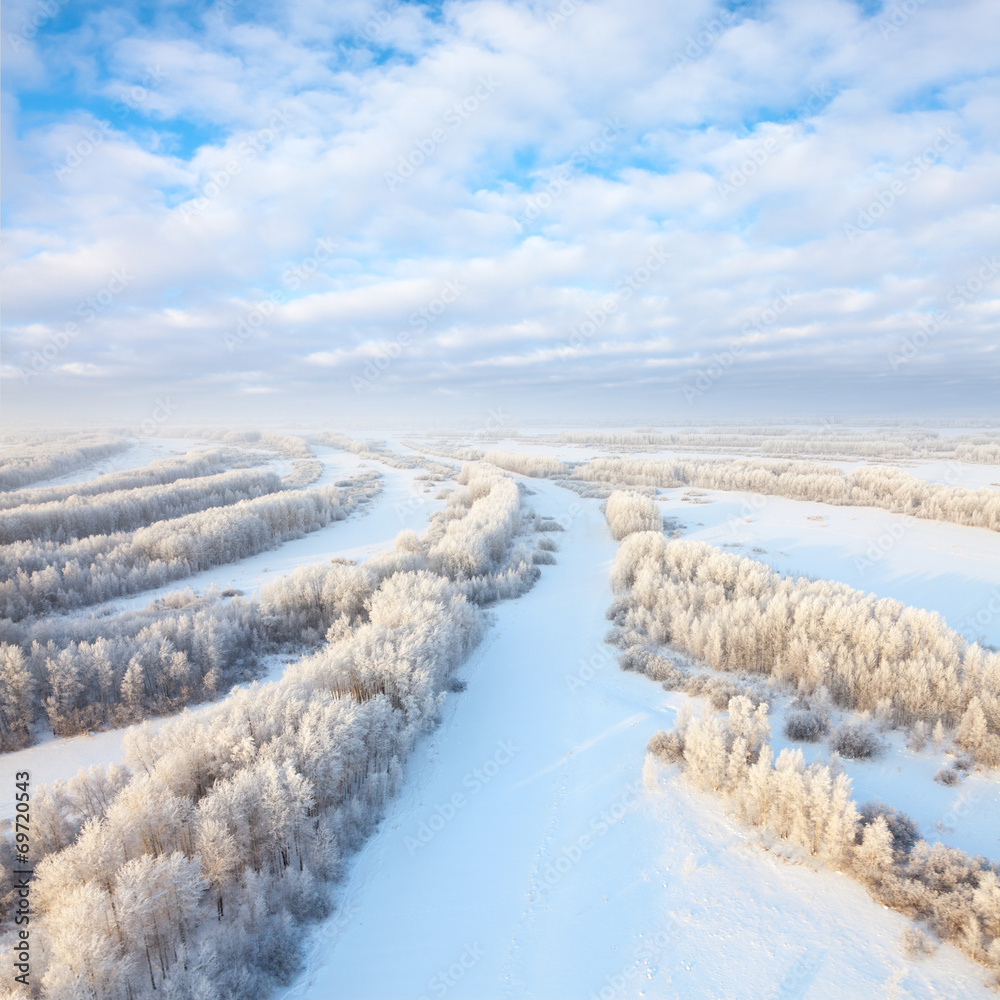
(653, 665)
(947, 776)
(857, 741)
(542, 558)
(548, 524)
(806, 725)
(668, 747)
(628, 513)
(902, 827)
(915, 943)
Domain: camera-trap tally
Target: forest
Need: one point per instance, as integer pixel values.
(955, 896)
(38, 577)
(197, 462)
(46, 456)
(190, 871)
(736, 614)
(130, 508)
(868, 486)
(826, 642)
(193, 862)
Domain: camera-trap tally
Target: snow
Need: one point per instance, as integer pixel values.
(525, 856)
(532, 852)
(948, 568)
(139, 453)
(966, 816)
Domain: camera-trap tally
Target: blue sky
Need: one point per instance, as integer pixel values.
(363, 211)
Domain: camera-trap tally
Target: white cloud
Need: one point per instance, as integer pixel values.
(814, 111)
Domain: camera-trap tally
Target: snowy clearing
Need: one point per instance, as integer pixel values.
(525, 856)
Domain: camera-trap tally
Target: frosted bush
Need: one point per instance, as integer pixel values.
(631, 512)
(856, 741)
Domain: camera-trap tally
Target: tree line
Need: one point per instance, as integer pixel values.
(131, 508)
(831, 443)
(880, 656)
(48, 456)
(536, 466)
(955, 895)
(192, 873)
(379, 451)
(191, 466)
(889, 489)
(40, 577)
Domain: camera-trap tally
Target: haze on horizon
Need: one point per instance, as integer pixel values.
(576, 210)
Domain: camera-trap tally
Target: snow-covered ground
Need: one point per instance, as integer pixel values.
(966, 816)
(140, 452)
(948, 568)
(526, 857)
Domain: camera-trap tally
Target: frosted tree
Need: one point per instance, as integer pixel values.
(17, 688)
(986, 899)
(631, 512)
(874, 855)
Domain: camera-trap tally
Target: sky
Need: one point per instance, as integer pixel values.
(569, 210)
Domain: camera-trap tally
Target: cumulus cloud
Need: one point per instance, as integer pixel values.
(376, 203)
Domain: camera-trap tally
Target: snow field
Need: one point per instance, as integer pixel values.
(535, 850)
(569, 875)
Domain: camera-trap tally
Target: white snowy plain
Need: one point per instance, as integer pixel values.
(478, 883)
(527, 857)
